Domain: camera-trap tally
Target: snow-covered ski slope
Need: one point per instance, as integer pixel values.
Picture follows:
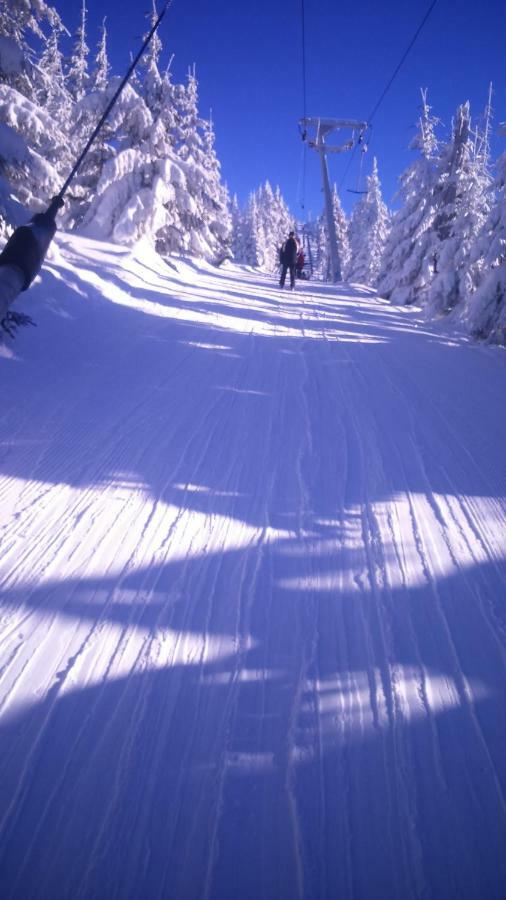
(253, 592)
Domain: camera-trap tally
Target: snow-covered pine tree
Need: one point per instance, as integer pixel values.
(322, 269)
(274, 221)
(170, 236)
(203, 205)
(401, 277)
(55, 99)
(152, 170)
(368, 232)
(237, 225)
(32, 149)
(139, 190)
(254, 243)
(151, 87)
(120, 208)
(268, 239)
(485, 202)
(163, 180)
(77, 75)
(100, 75)
(462, 198)
(485, 312)
(85, 115)
(215, 196)
(283, 223)
(343, 242)
(52, 91)
(17, 18)
(321, 261)
(190, 154)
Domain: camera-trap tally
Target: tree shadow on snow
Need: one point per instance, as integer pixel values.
(224, 729)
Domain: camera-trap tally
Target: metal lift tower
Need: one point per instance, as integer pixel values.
(321, 128)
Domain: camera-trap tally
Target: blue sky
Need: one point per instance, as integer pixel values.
(248, 59)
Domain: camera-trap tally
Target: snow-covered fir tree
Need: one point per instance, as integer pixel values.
(20, 19)
(343, 242)
(163, 181)
(77, 75)
(485, 313)
(128, 199)
(237, 224)
(321, 259)
(129, 195)
(85, 115)
(487, 188)
(203, 206)
(152, 171)
(274, 222)
(268, 241)
(253, 237)
(32, 146)
(151, 58)
(156, 184)
(322, 268)
(55, 99)
(102, 70)
(170, 233)
(402, 273)
(260, 231)
(215, 195)
(462, 198)
(368, 232)
(52, 90)
(149, 81)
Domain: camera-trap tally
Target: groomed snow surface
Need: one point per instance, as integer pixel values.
(253, 591)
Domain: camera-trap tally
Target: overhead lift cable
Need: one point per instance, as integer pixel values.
(304, 78)
(389, 84)
(400, 63)
(302, 175)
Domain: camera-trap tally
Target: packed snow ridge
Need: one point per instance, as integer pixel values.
(253, 591)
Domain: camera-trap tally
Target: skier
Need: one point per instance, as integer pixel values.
(21, 260)
(300, 264)
(288, 258)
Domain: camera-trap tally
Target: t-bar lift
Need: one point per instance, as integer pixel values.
(321, 128)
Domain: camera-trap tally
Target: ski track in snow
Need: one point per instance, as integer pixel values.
(253, 590)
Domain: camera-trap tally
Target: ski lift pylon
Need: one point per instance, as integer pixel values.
(321, 128)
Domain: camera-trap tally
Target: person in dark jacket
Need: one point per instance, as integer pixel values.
(23, 255)
(288, 258)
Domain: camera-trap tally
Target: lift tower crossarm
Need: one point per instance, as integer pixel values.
(329, 149)
(334, 124)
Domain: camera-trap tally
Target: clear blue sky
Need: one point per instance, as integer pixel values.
(248, 59)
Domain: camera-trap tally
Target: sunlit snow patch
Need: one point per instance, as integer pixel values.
(203, 346)
(408, 541)
(419, 693)
(115, 654)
